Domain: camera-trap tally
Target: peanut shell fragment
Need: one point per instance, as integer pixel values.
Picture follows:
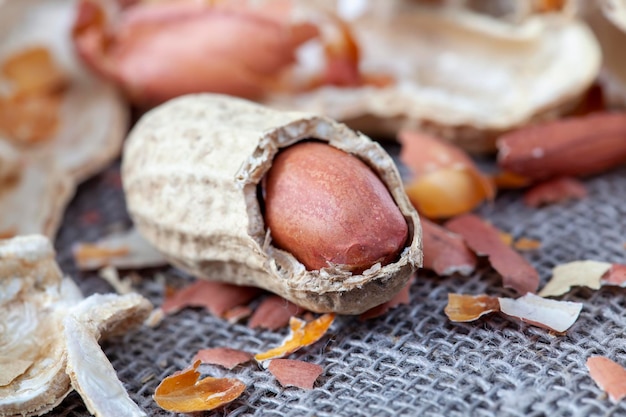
(192, 173)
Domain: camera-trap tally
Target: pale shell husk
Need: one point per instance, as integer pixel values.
(609, 27)
(33, 201)
(32, 290)
(191, 172)
(48, 326)
(94, 116)
(460, 75)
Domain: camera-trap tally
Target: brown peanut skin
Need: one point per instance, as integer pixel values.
(325, 206)
(576, 146)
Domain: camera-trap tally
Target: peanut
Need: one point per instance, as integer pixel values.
(193, 171)
(326, 207)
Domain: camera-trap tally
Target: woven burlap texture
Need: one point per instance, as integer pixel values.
(413, 360)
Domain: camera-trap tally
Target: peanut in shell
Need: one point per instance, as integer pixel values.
(192, 172)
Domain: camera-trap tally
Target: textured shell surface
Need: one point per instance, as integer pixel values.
(458, 73)
(607, 19)
(94, 116)
(191, 172)
(45, 318)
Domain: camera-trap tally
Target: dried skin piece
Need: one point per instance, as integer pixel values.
(577, 273)
(33, 71)
(217, 297)
(112, 277)
(185, 392)
(302, 334)
(616, 275)
(506, 238)
(542, 312)
(555, 191)
(273, 313)
(463, 308)
(254, 45)
(591, 274)
(524, 244)
(578, 146)
(505, 180)
(520, 244)
(237, 314)
(445, 182)
(295, 373)
(445, 252)
(226, 357)
(609, 375)
(31, 113)
(484, 239)
(121, 250)
(402, 297)
(30, 119)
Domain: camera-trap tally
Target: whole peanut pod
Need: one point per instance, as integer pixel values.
(193, 172)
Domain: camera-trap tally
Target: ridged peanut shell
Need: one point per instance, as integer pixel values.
(459, 75)
(192, 170)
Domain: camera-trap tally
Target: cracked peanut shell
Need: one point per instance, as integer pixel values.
(192, 170)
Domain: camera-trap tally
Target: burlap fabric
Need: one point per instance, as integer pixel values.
(412, 361)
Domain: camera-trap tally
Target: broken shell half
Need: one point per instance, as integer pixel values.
(608, 22)
(93, 115)
(192, 170)
(33, 292)
(459, 75)
(33, 201)
(45, 322)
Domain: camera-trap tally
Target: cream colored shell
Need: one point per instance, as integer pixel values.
(49, 337)
(93, 122)
(608, 21)
(191, 172)
(459, 74)
(94, 116)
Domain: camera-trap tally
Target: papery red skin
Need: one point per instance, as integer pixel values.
(554, 191)
(290, 372)
(615, 276)
(402, 297)
(274, 313)
(222, 356)
(484, 239)
(217, 297)
(445, 252)
(157, 51)
(325, 206)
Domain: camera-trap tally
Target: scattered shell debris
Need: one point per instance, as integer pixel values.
(553, 191)
(54, 332)
(609, 375)
(122, 250)
(291, 372)
(302, 334)
(485, 240)
(185, 392)
(586, 273)
(227, 357)
(554, 315)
